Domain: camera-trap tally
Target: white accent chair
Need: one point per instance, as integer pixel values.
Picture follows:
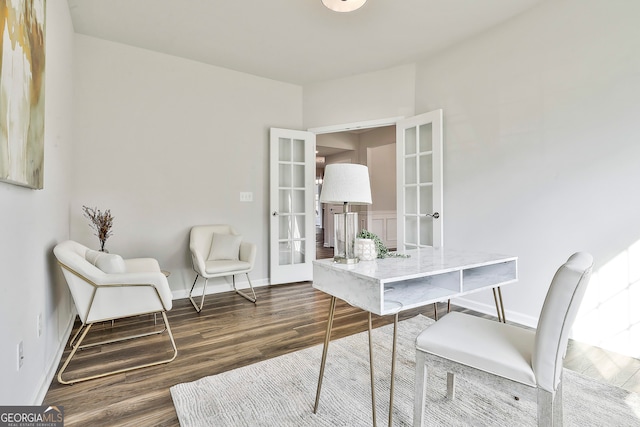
(218, 251)
(522, 361)
(106, 287)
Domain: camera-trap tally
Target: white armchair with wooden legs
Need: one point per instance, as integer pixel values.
(218, 251)
(525, 362)
(106, 287)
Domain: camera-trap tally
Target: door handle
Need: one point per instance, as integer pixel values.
(434, 215)
(275, 213)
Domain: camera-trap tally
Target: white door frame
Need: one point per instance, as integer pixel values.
(367, 124)
(393, 121)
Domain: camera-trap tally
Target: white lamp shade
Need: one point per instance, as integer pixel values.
(344, 5)
(346, 182)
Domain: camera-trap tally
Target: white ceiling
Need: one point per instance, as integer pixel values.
(296, 41)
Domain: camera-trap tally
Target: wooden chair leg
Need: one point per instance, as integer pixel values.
(451, 385)
(420, 386)
(545, 409)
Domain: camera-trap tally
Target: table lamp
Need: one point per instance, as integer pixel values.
(345, 183)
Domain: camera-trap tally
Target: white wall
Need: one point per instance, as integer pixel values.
(540, 151)
(31, 223)
(167, 143)
(371, 96)
(541, 154)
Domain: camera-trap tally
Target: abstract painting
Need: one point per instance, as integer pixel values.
(22, 52)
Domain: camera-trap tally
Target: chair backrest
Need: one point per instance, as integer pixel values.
(558, 313)
(201, 235)
(71, 255)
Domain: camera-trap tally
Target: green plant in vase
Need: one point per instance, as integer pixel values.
(381, 249)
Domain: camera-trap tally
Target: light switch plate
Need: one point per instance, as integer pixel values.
(246, 196)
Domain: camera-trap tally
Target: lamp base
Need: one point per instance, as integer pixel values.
(343, 260)
(345, 228)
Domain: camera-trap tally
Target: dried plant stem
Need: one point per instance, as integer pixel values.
(101, 223)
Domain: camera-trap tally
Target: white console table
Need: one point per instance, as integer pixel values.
(391, 285)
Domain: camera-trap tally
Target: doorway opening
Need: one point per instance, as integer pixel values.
(371, 146)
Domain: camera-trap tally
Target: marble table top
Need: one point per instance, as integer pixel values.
(421, 263)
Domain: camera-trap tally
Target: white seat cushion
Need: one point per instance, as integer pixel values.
(226, 266)
(482, 344)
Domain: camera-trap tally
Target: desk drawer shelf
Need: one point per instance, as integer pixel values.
(429, 275)
(495, 274)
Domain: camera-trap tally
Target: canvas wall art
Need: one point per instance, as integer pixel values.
(22, 72)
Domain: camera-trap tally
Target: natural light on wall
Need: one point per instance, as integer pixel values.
(610, 313)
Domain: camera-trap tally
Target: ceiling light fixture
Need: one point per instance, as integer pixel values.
(343, 5)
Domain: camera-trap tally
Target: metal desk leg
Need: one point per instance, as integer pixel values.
(327, 338)
(373, 393)
(504, 319)
(393, 366)
(499, 304)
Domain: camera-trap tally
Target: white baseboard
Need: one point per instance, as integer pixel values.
(53, 366)
(217, 287)
(490, 309)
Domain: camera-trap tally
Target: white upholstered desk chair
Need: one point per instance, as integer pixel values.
(218, 251)
(522, 361)
(107, 287)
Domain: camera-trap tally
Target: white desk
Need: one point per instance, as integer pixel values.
(388, 286)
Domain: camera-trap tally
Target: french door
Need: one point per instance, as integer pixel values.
(292, 225)
(419, 181)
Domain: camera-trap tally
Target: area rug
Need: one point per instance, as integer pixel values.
(281, 392)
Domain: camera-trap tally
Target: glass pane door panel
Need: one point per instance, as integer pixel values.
(297, 226)
(298, 176)
(426, 168)
(426, 138)
(284, 227)
(298, 150)
(284, 175)
(297, 201)
(410, 141)
(285, 150)
(411, 226)
(426, 232)
(411, 200)
(410, 172)
(284, 253)
(285, 202)
(298, 252)
(426, 200)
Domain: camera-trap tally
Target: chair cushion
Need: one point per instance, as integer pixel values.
(226, 266)
(498, 348)
(224, 247)
(108, 263)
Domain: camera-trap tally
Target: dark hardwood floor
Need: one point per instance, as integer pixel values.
(231, 332)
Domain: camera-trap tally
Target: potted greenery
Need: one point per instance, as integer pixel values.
(381, 250)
